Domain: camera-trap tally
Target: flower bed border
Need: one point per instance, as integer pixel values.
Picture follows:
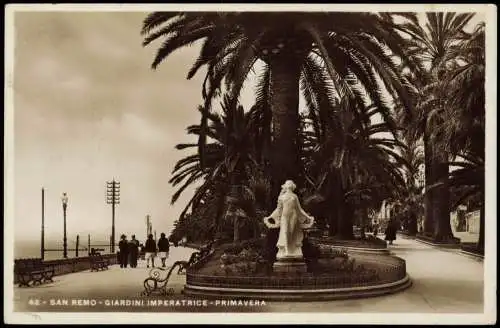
(307, 287)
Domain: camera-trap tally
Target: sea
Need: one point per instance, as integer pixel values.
(31, 249)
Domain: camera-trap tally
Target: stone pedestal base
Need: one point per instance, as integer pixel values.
(290, 265)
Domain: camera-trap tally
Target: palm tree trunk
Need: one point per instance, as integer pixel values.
(345, 222)
(429, 180)
(284, 99)
(441, 208)
(236, 229)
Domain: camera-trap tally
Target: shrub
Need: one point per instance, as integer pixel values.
(250, 244)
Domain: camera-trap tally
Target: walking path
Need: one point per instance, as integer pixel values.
(443, 282)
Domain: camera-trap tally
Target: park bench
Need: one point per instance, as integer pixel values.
(32, 271)
(97, 262)
(155, 283)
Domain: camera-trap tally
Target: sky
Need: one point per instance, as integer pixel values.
(89, 109)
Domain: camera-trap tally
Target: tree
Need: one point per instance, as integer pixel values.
(228, 156)
(430, 47)
(343, 43)
(464, 121)
(409, 198)
(350, 165)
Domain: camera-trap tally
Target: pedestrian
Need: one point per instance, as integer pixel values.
(163, 248)
(123, 246)
(375, 228)
(133, 247)
(150, 249)
(390, 231)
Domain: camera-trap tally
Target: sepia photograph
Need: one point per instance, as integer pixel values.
(250, 164)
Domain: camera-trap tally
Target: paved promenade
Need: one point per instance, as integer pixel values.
(443, 282)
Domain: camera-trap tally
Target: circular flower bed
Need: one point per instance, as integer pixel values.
(244, 271)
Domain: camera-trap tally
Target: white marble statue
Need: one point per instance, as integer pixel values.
(291, 219)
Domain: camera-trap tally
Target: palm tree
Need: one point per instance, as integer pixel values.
(431, 47)
(410, 200)
(345, 44)
(228, 156)
(342, 160)
(464, 121)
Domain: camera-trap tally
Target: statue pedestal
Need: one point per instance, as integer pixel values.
(290, 265)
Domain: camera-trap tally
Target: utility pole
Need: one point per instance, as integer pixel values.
(113, 198)
(88, 244)
(42, 241)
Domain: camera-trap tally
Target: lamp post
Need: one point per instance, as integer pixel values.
(64, 200)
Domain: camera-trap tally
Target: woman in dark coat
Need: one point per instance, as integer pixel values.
(390, 231)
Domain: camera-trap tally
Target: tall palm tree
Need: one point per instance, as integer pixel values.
(410, 200)
(464, 120)
(359, 44)
(430, 46)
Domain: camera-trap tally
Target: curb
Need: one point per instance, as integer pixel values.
(474, 256)
(455, 248)
(445, 246)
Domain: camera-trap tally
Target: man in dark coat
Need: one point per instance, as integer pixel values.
(150, 250)
(133, 249)
(123, 246)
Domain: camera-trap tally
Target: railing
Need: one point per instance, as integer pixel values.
(345, 280)
(65, 266)
(374, 270)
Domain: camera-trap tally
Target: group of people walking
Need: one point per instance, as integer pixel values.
(129, 250)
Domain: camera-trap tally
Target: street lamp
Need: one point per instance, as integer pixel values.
(64, 200)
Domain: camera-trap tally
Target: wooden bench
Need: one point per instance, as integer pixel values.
(32, 271)
(97, 262)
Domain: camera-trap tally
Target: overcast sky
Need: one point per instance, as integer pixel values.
(88, 109)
